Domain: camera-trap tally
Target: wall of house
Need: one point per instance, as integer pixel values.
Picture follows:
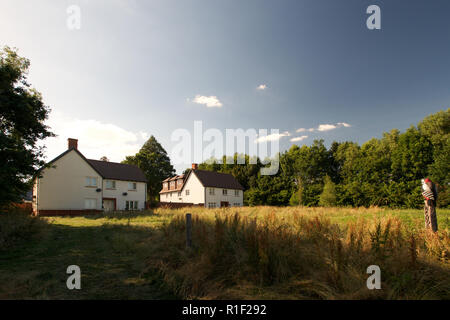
(121, 187)
(63, 187)
(218, 197)
(172, 197)
(196, 190)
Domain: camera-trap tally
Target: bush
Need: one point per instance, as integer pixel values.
(328, 196)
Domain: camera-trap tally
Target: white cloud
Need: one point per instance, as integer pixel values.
(95, 139)
(210, 102)
(272, 137)
(301, 138)
(261, 87)
(326, 127)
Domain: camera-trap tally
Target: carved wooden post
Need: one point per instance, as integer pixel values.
(188, 230)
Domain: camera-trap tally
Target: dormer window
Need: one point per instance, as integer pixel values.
(165, 185)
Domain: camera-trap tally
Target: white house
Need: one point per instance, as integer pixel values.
(73, 184)
(201, 187)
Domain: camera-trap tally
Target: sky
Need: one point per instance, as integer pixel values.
(309, 68)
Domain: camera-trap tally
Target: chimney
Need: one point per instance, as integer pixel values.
(194, 166)
(72, 143)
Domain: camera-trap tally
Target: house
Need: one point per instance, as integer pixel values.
(72, 184)
(201, 187)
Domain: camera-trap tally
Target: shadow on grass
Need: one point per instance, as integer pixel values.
(121, 215)
(111, 259)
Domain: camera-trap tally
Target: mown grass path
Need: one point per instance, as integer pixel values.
(111, 258)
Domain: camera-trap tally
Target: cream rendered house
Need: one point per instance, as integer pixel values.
(201, 187)
(76, 185)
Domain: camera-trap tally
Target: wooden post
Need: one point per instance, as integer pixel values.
(188, 230)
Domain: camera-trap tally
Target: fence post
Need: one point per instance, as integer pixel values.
(188, 230)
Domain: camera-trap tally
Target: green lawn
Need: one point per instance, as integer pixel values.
(111, 253)
(114, 252)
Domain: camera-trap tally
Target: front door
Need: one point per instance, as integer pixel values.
(109, 205)
(224, 204)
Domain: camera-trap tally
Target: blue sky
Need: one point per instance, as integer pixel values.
(135, 67)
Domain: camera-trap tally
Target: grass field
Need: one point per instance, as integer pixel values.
(237, 253)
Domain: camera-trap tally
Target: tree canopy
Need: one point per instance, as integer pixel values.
(153, 160)
(380, 172)
(22, 116)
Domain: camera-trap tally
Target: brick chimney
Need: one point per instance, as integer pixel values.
(194, 166)
(72, 143)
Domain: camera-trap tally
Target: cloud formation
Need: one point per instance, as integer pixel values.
(261, 87)
(301, 138)
(95, 138)
(210, 102)
(272, 137)
(325, 127)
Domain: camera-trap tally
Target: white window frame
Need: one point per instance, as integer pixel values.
(187, 192)
(132, 186)
(224, 192)
(90, 181)
(211, 192)
(212, 205)
(236, 193)
(112, 184)
(132, 205)
(90, 204)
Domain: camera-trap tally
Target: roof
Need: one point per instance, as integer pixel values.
(217, 179)
(118, 171)
(107, 170)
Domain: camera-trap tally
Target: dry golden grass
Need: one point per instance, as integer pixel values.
(302, 253)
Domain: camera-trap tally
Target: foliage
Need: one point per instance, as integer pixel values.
(22, 116)
(381, 172)
(328, 196)
(152, 159)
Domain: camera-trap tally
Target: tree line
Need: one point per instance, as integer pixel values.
(380, 172)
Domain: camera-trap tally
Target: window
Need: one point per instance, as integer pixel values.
(131, 186)
(179, 194)
(165, 185)
(110, 184)
(91, 182)
(172, 185)
(236, 193)
(211, 204)
(211, 191)
(187, 192)
(236, 204)
(131, 205)
(90, 203)
(224, 192)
